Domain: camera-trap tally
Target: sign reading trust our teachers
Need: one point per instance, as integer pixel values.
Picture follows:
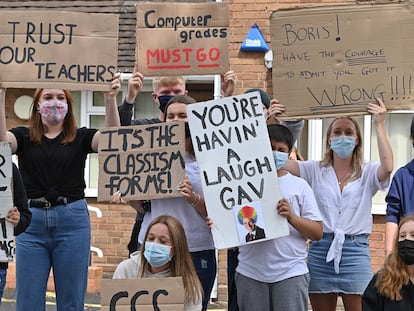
(68, 50)
(6, 203)
(237, 169)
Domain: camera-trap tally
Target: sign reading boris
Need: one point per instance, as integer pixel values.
(237, 170)
(334, 60)
(67, 50)
(6, 202)
(182, 38)
(142, 162)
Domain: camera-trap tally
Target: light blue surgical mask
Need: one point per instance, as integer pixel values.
(157, 254)
(343, 146)
(280, 159)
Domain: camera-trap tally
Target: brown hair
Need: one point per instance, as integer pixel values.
(181, 264)
(37, 128)
(357, 157)
(394, 274)
(182, 99)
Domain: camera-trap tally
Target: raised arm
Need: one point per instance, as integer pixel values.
(111, 111)
(379, 111)
(135, 83)
(228, 83)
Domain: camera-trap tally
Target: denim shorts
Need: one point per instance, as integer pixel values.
(355, 270)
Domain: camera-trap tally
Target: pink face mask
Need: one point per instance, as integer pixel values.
(53, 111)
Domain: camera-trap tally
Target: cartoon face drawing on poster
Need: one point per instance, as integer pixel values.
(250, 220)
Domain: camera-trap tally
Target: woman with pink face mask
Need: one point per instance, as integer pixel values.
(52, 152)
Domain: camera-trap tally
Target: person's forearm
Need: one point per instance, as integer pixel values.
(111, 111)
(385, 153)
(391, 230)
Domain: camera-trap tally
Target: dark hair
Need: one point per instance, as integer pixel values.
(265, 98)
(280, 133)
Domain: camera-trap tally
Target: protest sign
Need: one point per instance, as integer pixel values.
(6, 202)
(143, 162)
(68, 50)
(182, 38)
(330, 61)
(236, 166)
(149, 294)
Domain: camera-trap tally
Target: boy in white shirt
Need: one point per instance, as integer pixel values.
(273, 275)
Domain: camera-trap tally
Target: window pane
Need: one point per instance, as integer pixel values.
(76, 96)
(397, 126)
(144, 107)
(95, 122)
(98, 99)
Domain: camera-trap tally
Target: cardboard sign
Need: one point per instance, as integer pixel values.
(143, 161)
(149, 294)
(330, 61)
(6, 202)
(67, 50)
(236, 166)
(182, 38)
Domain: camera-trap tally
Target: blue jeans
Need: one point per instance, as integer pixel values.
(206, 267)
(3, 276)
(58, 238)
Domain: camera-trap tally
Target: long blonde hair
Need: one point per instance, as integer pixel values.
(37, 128)
(357, 156)
(181, 264)
(394, 274)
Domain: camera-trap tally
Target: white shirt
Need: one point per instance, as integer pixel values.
(346, 212)
(198, 234)
(285, 257)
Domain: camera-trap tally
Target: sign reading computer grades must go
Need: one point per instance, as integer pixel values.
(142, 162)
(237, 170)
(67, 50)
(182, 38)
(6, 203)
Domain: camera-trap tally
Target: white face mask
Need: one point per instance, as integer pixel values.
(53, 111)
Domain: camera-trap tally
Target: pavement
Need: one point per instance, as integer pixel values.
(92, 302)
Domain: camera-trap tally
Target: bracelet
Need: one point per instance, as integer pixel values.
(196, 199)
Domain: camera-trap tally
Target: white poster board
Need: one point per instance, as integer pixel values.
(6, 202)
(237, 169)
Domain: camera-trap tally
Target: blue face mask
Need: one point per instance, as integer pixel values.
(164, 99)
(157, 254)
(280, 159)
(343, 146)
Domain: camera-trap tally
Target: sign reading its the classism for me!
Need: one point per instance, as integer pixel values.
(237, 169)
(330, 61)
(68, 50)
(182, 38)
(142, 162)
